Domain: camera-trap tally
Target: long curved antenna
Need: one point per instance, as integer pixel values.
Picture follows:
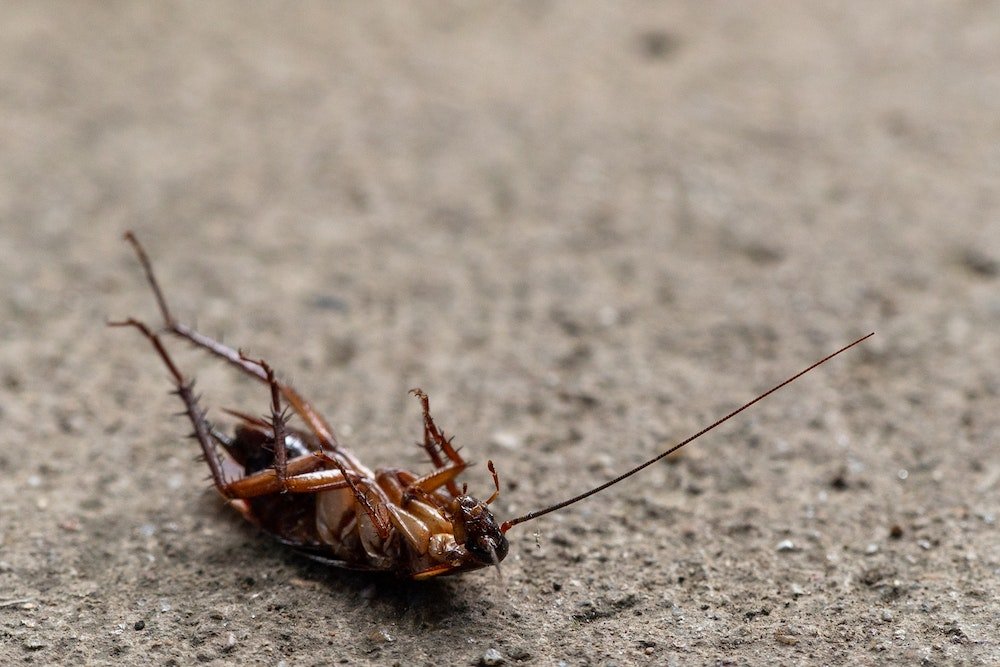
(507, 525)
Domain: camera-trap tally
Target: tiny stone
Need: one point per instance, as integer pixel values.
(379, 637)
(871, 549)
(786, 545)
(886, 615)
(139, 625)
(506, 440)
(491, 657)
(896, 531)
(34, 644)
(924, 544)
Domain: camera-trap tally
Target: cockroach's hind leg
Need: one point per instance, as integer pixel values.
(315, 421)
(184, 389)
(309, 481)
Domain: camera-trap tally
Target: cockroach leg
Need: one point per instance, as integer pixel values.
(316, 423)
(423, 486)
(277, 423)
(496, 483)
(435, 442)
(368, 496)
(266, 482)
(202, 429)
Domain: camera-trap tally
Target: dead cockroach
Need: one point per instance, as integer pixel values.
(310, 492)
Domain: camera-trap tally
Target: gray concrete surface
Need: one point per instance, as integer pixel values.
(586, 229)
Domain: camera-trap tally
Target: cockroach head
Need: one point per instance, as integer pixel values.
(477, 530)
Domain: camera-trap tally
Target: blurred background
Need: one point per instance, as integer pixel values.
(585, 229)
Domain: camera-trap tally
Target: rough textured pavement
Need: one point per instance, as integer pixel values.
(585, 229)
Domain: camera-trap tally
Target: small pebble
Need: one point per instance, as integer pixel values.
(139, 625)
(786, 545)
(379, 637)
(491, 657)
(506, 440)
(871, 549)
(886, 615)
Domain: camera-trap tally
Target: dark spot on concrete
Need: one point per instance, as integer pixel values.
(761, 253)
(328, 302)
(658, 44)
(839, 481)
(979, 263)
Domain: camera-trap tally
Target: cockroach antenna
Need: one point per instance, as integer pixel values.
(510, 523)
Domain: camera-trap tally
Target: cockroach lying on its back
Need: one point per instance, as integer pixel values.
(308, 491)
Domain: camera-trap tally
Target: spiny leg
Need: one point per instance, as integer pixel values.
(184, 389)
(316, 481)
(304, 477)
(368, 496)
(277, 424)
(435, 443)
(317, 424)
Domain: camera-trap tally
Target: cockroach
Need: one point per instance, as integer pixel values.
(307, 490)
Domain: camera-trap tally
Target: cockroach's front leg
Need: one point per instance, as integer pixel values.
(435, 443)
(184, 389)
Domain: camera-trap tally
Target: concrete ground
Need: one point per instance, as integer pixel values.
(586, 230)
